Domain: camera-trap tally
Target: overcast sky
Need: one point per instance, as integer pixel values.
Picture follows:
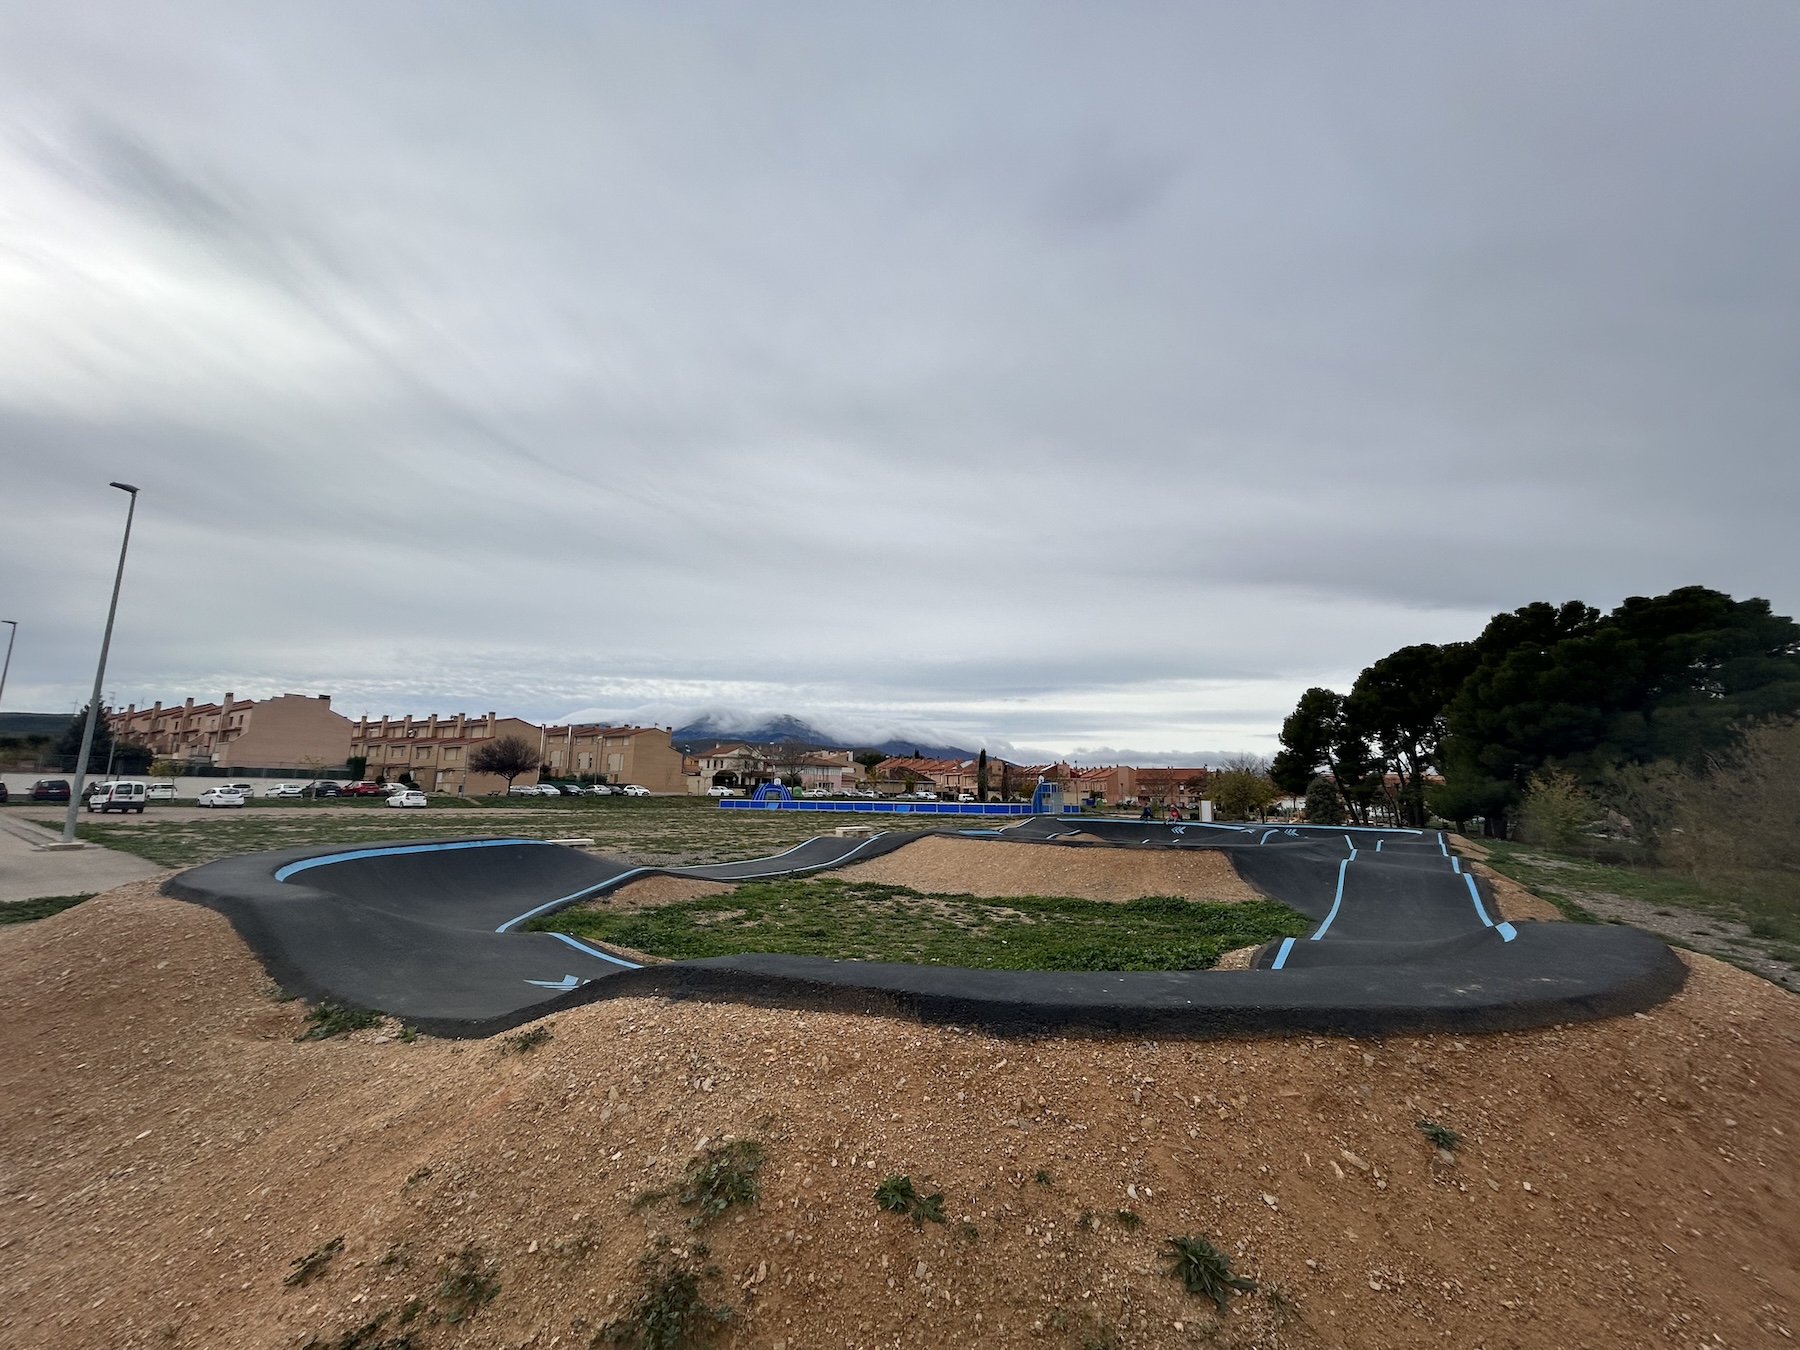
(1091, 378)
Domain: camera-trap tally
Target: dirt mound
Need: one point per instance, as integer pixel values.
(652, 892)
(973, 867)
(169, 1151)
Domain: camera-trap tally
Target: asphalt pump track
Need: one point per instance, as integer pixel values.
(1405, 940)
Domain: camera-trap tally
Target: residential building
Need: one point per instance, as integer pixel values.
(641, 755)
(292, 732)
(435, 750)
(1172, 786)
(729, 766)
(1108, 786)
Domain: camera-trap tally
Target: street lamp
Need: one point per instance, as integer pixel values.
(10, 638)
(87, 735)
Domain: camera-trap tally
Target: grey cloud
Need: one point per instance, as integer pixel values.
(1063, 378)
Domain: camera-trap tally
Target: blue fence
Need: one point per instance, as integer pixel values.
(775, 797)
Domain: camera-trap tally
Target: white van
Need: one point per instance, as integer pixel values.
(120, 795)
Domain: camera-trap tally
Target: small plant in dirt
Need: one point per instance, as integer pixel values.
(25, 911)
(414, 1177)
(469, 1284)
(524, 1042)
(306, 1269)
(897, 1195)
(334, 1019)
(1280, 1304)
(721, 1177)
(1128, 1218)
(1441, 1135)
(1042, 1178)
(368, 1336)
(670, 1312)
(1203, 1269)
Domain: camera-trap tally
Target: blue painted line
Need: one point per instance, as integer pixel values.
(1445, 848)
(789, 871)
(1378, 844)
(1506, 931)
(1350, 843)
(1456, 864)
(283, 873)
(1480, 909)
(570, 899)
(1265, 838)
(583, 947)
(1287, 945)
(1336, 900)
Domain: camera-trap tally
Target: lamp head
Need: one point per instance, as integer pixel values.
(124, 487)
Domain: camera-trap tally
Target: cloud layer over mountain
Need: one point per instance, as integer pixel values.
(1058, 376)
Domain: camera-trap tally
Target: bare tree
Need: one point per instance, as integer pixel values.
(507, 757)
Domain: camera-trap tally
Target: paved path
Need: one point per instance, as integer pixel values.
(1403, 940)
(27, 874)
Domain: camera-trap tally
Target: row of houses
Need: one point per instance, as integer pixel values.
(302, 735)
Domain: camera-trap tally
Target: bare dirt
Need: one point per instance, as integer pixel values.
(971, 867)
(167, 1151)
(654, 892)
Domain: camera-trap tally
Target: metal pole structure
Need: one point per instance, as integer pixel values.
(87, 735)
(10, 639)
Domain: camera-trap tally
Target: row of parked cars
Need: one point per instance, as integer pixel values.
(577, 790)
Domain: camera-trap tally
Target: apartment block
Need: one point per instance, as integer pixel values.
(641, 755)
(435, 750)
(292, 732)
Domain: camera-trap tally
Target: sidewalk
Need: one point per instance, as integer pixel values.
(27, 874)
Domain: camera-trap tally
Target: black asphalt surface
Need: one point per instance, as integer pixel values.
(431, 932)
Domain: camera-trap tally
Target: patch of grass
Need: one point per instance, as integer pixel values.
(1441, 1135)
(1042, 1177)
(670, 1312)
(720, 1178)
(1205, 1270)
(306, 1269)
(869, 921)
(26, 911)
(897, 1195)
(334, 1019)
(524, 1042)
(469, 1284)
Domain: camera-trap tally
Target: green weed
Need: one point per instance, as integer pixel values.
(334, 1019)
(1203, 1269)
(1441, 1135)
(670, 1313)
(524, 1042)
(469, 1284)
(897, 1195)
(720, 1178)
(306, 1269)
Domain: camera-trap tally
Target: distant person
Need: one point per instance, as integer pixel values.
(1145, 814)
(1174, 813)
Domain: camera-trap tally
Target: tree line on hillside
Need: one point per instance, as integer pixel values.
(1675, 680)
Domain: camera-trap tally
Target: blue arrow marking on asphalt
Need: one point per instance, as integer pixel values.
(565, 984)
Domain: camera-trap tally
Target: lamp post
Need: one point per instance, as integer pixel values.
(87, 735)
(10, 639)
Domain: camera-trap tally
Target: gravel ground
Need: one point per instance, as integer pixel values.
(168, 1151)
(942, 866)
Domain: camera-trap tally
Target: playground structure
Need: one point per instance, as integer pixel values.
(1047, 800)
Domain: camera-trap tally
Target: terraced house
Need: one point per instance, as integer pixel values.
(435, 750)
(641, 755)
(290, 734)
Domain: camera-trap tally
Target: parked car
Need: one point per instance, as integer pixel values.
(965, 796)
(285, 790)
(633, 790)
(408, 797)
(321, 790)
(220, 796)
(522, 790)
(717, 792)
(248, 789)
(50, 790)
(159, 792)
(568, 789)
(363, 789)
(599, 790)
(121, 795)
(2, 794)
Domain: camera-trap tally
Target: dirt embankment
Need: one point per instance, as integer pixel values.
(972, 867)
(168, 1151)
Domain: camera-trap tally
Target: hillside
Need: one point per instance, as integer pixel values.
(170, 1151)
